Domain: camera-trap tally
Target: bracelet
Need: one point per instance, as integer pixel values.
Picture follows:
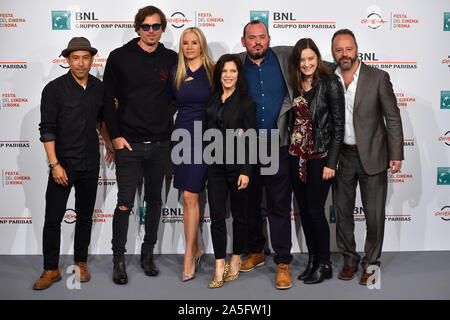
(51, 166)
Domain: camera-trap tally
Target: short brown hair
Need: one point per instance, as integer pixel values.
(148, 11)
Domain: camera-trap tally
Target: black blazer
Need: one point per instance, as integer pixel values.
(239, 113)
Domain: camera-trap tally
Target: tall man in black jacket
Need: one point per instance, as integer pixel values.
(136, 75)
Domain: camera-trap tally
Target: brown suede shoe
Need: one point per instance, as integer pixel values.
(347, 272)
(364, 277)
(284, 280)
(84, 273)
(253, 260)
(47, 278)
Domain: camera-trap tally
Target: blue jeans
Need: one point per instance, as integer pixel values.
(147, 160)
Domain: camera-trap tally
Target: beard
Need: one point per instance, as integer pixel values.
(257, 56)
(349, 66)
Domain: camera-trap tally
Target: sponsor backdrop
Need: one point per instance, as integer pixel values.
(408, 39)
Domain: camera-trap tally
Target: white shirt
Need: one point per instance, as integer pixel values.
(350, 93)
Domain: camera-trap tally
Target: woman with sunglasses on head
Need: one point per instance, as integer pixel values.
(229, 108)
(191, 82)
(317, 128)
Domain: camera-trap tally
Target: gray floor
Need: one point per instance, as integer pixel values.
(404, 275)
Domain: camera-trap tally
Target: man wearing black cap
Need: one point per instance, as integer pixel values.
(71, 111)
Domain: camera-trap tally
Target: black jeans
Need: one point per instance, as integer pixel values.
(279, 195)
(147, 160)
(311, 197)
(222, 182)
(85, 183)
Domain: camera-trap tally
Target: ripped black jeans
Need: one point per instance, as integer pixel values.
(147, 160)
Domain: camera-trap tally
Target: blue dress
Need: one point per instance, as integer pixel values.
(191, 99)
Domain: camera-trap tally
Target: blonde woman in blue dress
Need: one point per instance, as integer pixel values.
(191, 82)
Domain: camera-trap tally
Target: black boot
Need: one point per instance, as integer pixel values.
(147, 261)
(309, 267)
(120, 272)
(321, 272)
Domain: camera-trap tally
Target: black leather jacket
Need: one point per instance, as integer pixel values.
(327, 113)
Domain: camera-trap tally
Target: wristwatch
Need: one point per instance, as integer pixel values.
(53, 165)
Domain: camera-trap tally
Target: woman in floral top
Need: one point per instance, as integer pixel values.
(317, 128)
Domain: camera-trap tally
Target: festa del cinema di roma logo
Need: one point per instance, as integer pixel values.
(444, 213)
(445, 138)
(98, 216)
(374, 20)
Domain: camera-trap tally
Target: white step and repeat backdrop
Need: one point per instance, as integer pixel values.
(408, 39)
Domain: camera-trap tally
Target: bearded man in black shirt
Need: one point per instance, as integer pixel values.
(71, 111)
(137, 75)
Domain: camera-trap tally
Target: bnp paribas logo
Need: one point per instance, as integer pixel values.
(61, 20)
(446, 21)
(262, 16)
(443, 175)
(445, 99)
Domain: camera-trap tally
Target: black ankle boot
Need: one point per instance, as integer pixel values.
(321, 272)
(120, 272)
(309, 267)
(147, 263)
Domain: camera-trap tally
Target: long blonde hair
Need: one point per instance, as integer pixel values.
(206, 60)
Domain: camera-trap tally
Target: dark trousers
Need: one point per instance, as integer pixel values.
(85, 183)
(222, 182)
(373, 195)
(147, 160)
(278, 198)
(311, 197)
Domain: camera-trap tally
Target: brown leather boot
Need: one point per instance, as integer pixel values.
(253, 260)
(284, 280)
(47, 278)
(84, 273)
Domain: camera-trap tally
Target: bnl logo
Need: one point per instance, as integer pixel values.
(445, 99)
(443, 175)
(446, 21)
(262, 16)
(61, 20)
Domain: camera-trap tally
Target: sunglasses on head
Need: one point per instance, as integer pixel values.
(147, 27)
